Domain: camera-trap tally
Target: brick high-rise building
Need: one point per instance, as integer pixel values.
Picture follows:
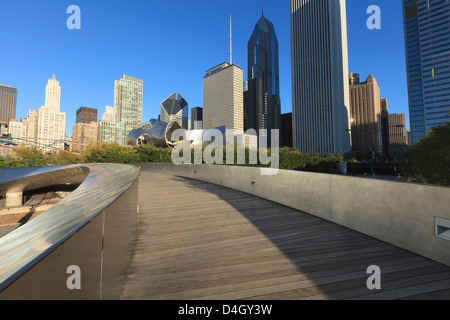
(84, 134)
(398, 137)
(365, 106)
(8, 102)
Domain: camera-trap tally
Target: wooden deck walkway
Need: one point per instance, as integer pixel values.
(201, 241)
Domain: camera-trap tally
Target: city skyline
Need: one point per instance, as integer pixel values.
(87, 65)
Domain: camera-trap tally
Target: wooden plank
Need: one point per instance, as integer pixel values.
(344, 290)
(442, 283)
(260, 277)
(438, 295)
(202, 241)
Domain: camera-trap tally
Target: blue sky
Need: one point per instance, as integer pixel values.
(170, 44)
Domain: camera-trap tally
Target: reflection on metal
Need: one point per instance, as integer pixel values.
(156, 136)
(137, 136)
(161, 135)
(26, 246)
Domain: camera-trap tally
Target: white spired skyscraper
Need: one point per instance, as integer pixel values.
(320, 88)
(51, 123)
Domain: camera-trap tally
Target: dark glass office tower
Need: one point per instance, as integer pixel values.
(263, 105)
(86, 115)
(196, 118)
(427, 40)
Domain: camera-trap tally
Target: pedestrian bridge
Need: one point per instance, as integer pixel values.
(170, 232)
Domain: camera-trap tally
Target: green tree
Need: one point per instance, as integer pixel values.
(429, 159)
(359, 155)
(151, 154)
(63, 158)
(110, 153)
(27, 157)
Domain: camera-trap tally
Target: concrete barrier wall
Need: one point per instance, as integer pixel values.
(402, 214)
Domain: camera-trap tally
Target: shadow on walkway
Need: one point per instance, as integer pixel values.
(332, 260)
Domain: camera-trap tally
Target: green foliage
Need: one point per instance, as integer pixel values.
(293, 159)
(24, 157)
(359, 155)
(429, 159)
(62, 158)
(290, 158)
(110, 153)
(150, 154)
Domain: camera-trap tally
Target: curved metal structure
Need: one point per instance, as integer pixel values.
(161, 135)
(137, 136)
(157, 135)
(103, 209)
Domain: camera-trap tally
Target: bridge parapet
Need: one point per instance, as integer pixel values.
(411, 216)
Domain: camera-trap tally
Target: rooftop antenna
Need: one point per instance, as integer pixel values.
(231, 42)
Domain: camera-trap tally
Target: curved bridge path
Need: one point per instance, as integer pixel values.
(202, 241)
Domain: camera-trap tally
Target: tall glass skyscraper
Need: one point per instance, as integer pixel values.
(427, 41)
(128, 100)
(262, 105)
(320, 85)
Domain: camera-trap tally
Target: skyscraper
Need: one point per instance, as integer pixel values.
(8, 102)
(30, 126)
(15, 129)
(53, 95)
(286, 130)
(128, 100)
(86, 115)
(223, 99)
(109, 130)
(398, 137)
(196, 118)
(385, 126)
(175, 109)
(320, 88)
(263, 105)
(85, 134)
(365, 105)
(427, 42)
(51, 123)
